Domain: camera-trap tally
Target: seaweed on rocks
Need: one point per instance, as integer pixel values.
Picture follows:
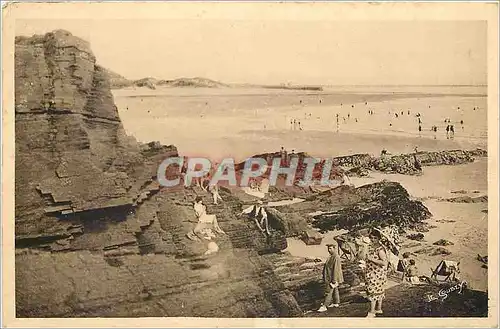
(381, 204)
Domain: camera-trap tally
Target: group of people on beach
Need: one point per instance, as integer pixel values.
(295, 124)
(376, 255)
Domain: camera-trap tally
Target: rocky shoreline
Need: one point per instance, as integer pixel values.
(97, 236)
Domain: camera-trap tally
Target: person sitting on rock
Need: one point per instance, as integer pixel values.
(214, 189)
(412, 272)
(404, 264)
(205, 221)
(259, 215)
(345, 180)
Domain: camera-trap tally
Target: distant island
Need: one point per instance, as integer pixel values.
(118, 81)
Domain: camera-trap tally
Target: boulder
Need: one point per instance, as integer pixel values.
(291, 224)
(415, 236)
(443, 242)
(312, 237)
(379, 204)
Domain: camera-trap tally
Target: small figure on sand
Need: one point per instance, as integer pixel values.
(300, 127)
(348, 115)
(332, 278)
(320, 101)
(408, 112)
(448, 132)
(434, 129)
(462, 124)
(396, 115)
(452, 131)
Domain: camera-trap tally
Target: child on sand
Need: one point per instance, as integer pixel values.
(412, 272)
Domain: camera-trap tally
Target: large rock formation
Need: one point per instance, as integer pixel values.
(97, 236)
(85, 188)
(357, 164)
(378, 204)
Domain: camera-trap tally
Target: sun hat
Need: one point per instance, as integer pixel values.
(388, 234)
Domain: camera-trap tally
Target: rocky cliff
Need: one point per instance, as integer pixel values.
(95, 233)
(97, 236)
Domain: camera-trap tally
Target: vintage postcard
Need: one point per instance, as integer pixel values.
(250, 164)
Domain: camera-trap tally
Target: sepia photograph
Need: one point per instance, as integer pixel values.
(251, 160)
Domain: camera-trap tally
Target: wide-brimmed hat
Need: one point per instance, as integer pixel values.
(388, 234)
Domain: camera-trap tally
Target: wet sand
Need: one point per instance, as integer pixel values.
(238, 123)
(241, 122)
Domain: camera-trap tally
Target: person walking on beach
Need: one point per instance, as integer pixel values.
(462, 124)
(291, 124)
(448, 132)
(294, 124)
(452, 131)
(434, 130)
(419, 130)
(332, 278)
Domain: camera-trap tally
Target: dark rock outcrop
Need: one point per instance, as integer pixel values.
(415, 236)
(443, 242)
(378, 204)
(311, 237)
(359, 164)
(467, 199)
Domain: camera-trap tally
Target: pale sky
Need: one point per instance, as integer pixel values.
(273, 51)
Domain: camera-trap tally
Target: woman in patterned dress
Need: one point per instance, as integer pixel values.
(376, 270)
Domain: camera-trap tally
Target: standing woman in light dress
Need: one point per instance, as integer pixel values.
(377, 264)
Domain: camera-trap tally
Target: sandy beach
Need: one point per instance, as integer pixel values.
(258, 121)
